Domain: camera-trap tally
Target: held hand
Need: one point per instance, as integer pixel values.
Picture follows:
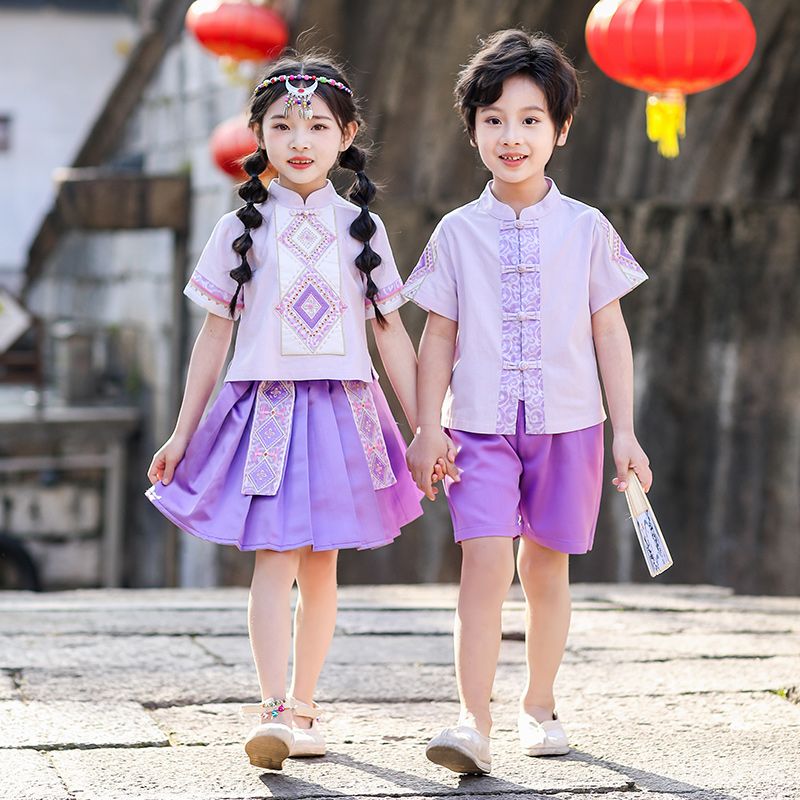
(628, 454)
(447, 466)
(423, 459)
(166, 459)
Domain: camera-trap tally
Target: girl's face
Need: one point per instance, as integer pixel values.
(516, 136)
(303, 151)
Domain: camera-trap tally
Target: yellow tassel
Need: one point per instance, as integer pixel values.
(666, 121)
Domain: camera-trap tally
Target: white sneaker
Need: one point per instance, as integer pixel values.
(307, 741)
(269, 743)
(461, 749)
(542, 738)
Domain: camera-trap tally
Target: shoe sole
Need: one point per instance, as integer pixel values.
(456, 760)
(310, 753)
(267, 752)
(545, 751)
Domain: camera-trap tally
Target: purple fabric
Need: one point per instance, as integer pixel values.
(326, 498)
(545, 486)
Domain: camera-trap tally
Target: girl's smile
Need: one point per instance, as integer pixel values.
(300, 163)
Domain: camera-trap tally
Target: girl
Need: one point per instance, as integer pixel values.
(299, 455)
(522, 287)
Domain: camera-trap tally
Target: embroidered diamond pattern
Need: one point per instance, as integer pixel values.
(312, 308)
(307, 238)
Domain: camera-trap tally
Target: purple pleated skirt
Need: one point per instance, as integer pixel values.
(326, 497)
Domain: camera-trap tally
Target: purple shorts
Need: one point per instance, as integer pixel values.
(544, 486)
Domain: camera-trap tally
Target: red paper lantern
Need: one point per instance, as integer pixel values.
(238, 29)
(670, 48)
(231, 141)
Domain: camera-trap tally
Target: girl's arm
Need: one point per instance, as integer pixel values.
(208, 358)
(615, 359)
(400, 362)
(431, 445)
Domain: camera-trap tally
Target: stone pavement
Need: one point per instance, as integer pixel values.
(666, 691)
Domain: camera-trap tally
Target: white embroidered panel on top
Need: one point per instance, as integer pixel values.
(309, 274)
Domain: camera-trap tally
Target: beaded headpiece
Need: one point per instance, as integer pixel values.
(301, 96)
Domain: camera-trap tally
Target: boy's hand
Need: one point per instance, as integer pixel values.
(447, 466)
(166, 459)
(628, 454)
(429, 457)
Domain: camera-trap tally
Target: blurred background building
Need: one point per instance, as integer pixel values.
(108, 193)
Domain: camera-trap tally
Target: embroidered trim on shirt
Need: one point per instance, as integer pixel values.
(425, 266)
(386, 293)
(620, 254)
(210, 291)
(521, 333)
(365, 414)
(269, 437)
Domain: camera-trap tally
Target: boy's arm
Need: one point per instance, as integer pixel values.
(436, 353)
(615, 359)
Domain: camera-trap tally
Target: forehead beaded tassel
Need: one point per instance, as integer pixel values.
(301, 96)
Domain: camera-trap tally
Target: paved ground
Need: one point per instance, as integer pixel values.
(666, 692)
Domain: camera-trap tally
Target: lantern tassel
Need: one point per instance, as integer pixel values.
(666, 121)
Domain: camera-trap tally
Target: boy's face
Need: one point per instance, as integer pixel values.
(516, 136)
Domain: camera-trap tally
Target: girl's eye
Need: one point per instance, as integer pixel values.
(280, 126)
(320, 127)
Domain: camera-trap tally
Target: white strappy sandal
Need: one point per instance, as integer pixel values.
(307, 741)
(270, 742)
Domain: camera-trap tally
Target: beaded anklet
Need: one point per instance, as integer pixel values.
(273, 706)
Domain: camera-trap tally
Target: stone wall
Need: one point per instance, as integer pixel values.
(716, 333)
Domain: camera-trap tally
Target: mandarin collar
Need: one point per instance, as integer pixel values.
(288, 197)
(499, 210)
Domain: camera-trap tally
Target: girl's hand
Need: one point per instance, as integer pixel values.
(628, 454)
(167, 458)
(431, 453)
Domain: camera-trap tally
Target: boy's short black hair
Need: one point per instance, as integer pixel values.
(514, 52)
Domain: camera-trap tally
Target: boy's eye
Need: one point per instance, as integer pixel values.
(530, 120)
(493, 121)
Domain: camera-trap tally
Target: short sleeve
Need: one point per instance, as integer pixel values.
(210, 285)
(385, 275)
(432, 284)
(613, 270)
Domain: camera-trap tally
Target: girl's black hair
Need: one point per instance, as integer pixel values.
(513, 52)
(345, 110)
